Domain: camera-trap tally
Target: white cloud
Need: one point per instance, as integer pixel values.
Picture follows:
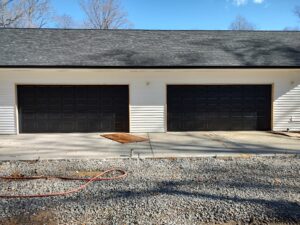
(240, 2)
(258, 1)
(244, 2)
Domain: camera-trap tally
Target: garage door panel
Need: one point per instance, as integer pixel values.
(41, 116)
(261, 124)
(52, 125)
(41, 125)
(28, 115)
(71, 108)
(68, 108)
(107, 125)
(68, 125)
(237, 123)
(218, 107)
(250, 123)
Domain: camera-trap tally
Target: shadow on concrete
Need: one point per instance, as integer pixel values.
(172, 144)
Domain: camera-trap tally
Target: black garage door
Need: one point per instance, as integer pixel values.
(65, 109)
(218, 107)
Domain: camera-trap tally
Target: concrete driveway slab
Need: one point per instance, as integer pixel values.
(61, 146)
(180, 144)
(223, 143)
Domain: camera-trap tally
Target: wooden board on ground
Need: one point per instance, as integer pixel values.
(124, 138)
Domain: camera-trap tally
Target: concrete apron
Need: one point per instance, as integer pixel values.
(179, 144)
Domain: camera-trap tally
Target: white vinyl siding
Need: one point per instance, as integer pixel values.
(287, 111)
(7, 109)
(148, 90)
(150, 118)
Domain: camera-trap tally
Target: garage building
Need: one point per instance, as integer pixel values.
(61, 81)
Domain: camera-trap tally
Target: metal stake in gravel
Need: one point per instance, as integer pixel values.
(98, 177)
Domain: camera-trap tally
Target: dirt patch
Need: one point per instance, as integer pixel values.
(45, 217)
(124, 138)
(16, 174)
(236, 157)
(250, 223)
(41, 217)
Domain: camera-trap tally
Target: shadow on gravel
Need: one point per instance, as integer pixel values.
(279, 210)
(255, 186)
(283, 211)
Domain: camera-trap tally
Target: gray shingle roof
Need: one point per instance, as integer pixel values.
(145, 48)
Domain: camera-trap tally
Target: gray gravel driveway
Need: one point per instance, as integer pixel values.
(159, 191)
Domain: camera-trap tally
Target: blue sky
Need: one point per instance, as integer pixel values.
(198, 14)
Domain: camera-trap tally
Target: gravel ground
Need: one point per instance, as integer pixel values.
(252, 190)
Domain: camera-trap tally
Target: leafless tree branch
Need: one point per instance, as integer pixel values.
(10, 12)
(36, 13)
(64, 21)
(104, 14)
(24, 13)
(241, 23)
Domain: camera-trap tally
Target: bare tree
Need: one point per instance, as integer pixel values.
(24, 13)
(36, 13)
(241, 23)
(64, 21)
(104, 14)
(297, 13)
(10, 13)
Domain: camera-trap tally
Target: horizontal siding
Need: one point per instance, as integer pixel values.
(146, 119)
(287, 111)
(148, 94)
(7, 109)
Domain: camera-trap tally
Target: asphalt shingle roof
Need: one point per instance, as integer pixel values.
(146, 48)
